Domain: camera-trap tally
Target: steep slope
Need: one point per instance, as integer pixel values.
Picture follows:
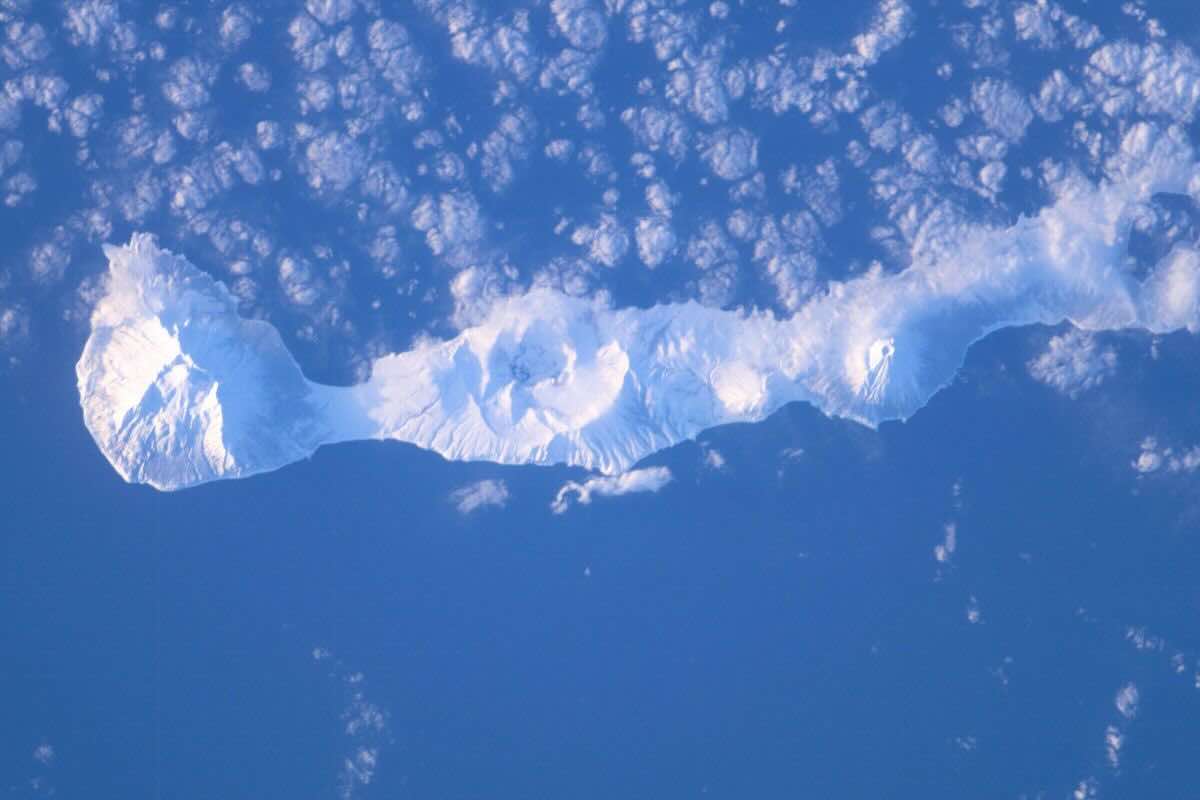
(177, 389)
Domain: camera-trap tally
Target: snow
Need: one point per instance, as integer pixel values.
(178, 390)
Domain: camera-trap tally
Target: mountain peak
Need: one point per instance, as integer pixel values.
(177, 389)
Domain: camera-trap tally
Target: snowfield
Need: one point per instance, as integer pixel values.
(178, 390)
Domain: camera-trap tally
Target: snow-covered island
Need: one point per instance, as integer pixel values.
(177, 389)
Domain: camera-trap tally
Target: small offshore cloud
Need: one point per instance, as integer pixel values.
(974, 612)
(1114, 740)
(943, 552)
(1073, 363)
(713, 458)
(1156, 458)
(366, 729)
(650, 479)
(1127, 700)
(44, 754)
(481, 494)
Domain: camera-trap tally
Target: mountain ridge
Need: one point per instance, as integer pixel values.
(177, 389)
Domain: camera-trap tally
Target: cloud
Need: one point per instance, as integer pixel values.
(1144, 640)
(475, 291)
(892, 23)
(189, 82)
(1033, 22)
(582, 25)
(269, 134)
(713, 459)
(254, 77)
(1002, 107)
(365, 726)
(1114, 740)
(731, 153)
(786, 250)
(650, 479)
(83, 114)
(974, 612)
(913, 184)
(655, 240)
(298, 282)
(331, 12)
(1154, 458)
(509, 144)
(87, 20)
(482, 494)
(659, 129)
(14, 325)
(44, 754)
(18, 187)
(23, 45)
(791, 454)
(49, 260)
(333, 162)
(1073, 363)
(1127, 701)
(944, 551)
(607, 242)
(235, 26)
(626, 382)
(453, 226)
(1164, 80)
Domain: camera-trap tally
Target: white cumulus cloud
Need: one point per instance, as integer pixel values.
(1153, 458)
(1073, 363)
(650, 479)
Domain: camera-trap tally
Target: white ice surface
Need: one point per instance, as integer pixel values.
(177, 389)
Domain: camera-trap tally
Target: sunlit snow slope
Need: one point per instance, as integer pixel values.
(177, 389)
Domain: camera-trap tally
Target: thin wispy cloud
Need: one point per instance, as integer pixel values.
(479, 495)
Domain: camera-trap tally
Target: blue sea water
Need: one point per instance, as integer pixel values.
(779, 628)
(754, 634)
